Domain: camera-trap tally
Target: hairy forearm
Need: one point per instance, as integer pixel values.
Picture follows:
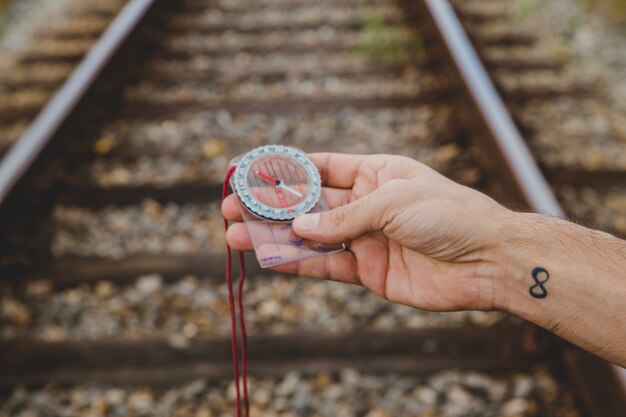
(566, 278)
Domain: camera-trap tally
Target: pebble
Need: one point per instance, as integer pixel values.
(40, 288)
(149, 284)
(575, 133)
(270, 41)
(141, 401)
(14, 312)
(408, 85)
(426, 395)
(182, 153)
(602, 209)
(190, 307)
(147, 228)
(239, 64)
(517, 407)
(325, 14)
(349, 393)
(522, 386)
(187, 132)
(459, 396)
(104, 289)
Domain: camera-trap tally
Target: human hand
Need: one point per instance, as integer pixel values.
(415, 237)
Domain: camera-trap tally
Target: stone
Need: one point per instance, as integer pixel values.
(459, 396)
(269, 308)
(178, 341)
(289, 384)
(516, 407)
(522, 385)
(141, 401)
(14, 311)
(193, 389)
(148, 284)
(39, 288)
(104, 289)
(350, 378)
(378, 413)
(261, 396)
(53, 333)
(322, 380)
(547, 386)
(213, 147)
(206, 412)
(443, 380)
(425, 395)
(115, 396)
(99, 407)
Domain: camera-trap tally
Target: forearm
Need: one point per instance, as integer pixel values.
(584, 299)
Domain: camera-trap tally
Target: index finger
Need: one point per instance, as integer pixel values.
(335, 197)
(338, 170)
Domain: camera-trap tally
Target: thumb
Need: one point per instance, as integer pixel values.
(344, 223)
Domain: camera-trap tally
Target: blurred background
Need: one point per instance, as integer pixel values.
(112, 293)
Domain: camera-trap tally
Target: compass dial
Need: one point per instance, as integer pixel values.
(277, 182)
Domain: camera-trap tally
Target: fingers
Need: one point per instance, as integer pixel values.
(344, 223)
(341, 170)
(230, 209)
(340, 266)
(334, 196)
(338, 170)
(238, 237)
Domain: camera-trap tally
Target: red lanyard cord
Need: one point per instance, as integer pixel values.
(244, 336)
(233, 315)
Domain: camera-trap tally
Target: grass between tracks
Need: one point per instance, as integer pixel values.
(385, 42)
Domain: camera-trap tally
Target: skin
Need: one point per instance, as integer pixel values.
(420, 239)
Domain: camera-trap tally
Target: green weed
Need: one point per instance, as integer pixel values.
(386, 43)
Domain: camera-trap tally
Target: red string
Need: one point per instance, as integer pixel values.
(233, 316)
(244, 336)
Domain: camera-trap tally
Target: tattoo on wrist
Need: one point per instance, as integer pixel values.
(540, 276)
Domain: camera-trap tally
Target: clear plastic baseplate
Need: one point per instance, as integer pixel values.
(275, 243)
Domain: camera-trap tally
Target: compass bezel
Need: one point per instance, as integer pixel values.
(260, 209)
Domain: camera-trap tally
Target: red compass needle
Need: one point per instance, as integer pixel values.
(266, 177)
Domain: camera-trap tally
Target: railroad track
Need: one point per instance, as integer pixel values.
(29, 76)
(113, 252)
(576, 139)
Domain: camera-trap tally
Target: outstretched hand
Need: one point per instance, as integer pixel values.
(419, 239)
(415, 237)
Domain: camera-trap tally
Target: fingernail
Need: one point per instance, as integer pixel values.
(307, 221)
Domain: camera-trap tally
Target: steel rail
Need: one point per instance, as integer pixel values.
(54, 115)
(603, 385)
(494, 116)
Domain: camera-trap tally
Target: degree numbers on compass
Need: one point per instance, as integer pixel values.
(277, 182)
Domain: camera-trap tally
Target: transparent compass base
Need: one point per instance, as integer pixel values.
(275, 243)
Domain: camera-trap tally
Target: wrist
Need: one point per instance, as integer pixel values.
(579, 296)
(568, 253)
(518, 253)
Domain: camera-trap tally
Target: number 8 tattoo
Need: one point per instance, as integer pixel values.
(538, 290)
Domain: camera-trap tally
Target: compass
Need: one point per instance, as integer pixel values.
(277, 182)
